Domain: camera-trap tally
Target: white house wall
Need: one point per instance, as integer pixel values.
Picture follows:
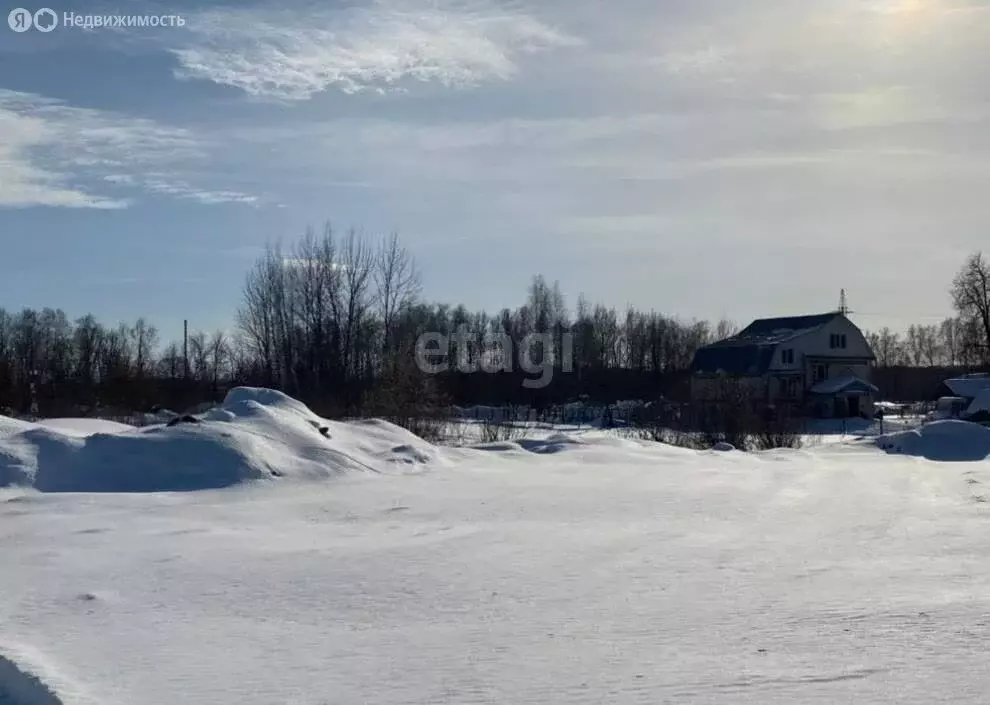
(816, 344)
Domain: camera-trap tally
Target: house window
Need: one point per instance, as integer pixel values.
(842, 341)
(837, 341)
(820, 372)
(787, 357)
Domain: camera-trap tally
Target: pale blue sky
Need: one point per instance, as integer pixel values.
(705, 158)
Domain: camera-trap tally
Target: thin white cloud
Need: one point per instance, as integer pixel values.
(54, 154)
(699, 61)
(163, 184)
(891, 106)
(533, 159)
(285, 56)
(122, 179)
(23, 183)
(305, 264)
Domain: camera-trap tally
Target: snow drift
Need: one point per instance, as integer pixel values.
(256, 434)
(949, 440)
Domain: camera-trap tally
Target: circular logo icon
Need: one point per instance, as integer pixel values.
(19, 19)
(45, 20)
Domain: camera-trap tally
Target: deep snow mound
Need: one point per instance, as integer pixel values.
(246, 397)
(949, 440)
(256, 434)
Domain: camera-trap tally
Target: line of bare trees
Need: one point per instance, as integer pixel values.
(75, 366)
(334, 320)
(947, 344)
(962, 340)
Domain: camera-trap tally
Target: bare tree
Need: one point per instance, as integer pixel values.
(88, 340)
(922, 345)
(144, 339)
(397, 285)
(358, 263)
(887, 347)
(115, 357)
(725, 329)
(316, 277)
(199, 356)
(171, 363)
(971, 298)
(258, 318)
(931, 347)
(218, 348)
(950, 335)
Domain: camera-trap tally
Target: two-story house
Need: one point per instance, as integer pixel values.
(819, 364)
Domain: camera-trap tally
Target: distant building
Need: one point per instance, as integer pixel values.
(818, 365)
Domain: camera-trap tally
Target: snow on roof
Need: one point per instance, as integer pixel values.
(981, 402)
(968, 386)
(786, 326)
(846, 384)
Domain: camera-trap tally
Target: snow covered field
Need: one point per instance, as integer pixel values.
(369, 567)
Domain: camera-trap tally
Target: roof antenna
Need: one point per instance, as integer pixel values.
(843, 304)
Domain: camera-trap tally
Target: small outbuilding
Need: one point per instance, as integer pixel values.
(842, 397)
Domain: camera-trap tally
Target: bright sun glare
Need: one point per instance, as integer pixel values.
(897, 20)
(908, 13)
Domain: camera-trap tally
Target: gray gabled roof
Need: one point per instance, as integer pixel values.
(750, 351)
(787, 327)
(849, 384)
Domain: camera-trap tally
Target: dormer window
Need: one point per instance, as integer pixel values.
(837, 341)
(787, 356)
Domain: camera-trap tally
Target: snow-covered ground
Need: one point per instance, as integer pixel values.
(574, 568)
(85, 427)
(813, 432)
